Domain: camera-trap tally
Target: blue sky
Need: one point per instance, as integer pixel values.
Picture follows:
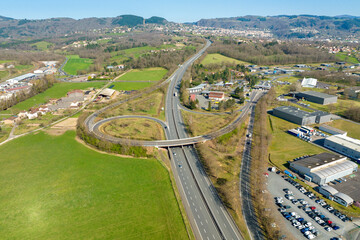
(179, 11)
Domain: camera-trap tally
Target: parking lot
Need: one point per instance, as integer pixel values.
(276, 186)
(350, 186)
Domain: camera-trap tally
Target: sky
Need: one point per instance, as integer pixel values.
(176, 11)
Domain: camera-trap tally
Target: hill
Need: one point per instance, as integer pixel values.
(17, 28)
(291, 26)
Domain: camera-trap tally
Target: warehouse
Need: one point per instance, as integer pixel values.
(343, 199)
(323, 168)
(331, 130)
(317, 97)
(328, 191)
(300, 117)
(344, 145)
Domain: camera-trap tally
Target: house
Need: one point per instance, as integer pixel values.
(353, 92)
(11, 120)
(32, 114)
(309, 82)
(107, 92)
(22, 114)
(121, 66)
(192, 97)
(217, 96)
(44, 108)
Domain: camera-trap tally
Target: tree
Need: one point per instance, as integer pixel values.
(209, 106)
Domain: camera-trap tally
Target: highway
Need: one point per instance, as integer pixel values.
(207, 214)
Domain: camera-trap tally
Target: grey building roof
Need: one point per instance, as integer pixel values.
(344, 197)
(317, 94)
(335, 168)
(331, 190)
(293, 111)
(325, 128)
(318, 160)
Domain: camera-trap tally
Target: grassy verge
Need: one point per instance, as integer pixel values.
(134, 128)
(82, 194)
(198, 124)
(221, 158)
(150, 105)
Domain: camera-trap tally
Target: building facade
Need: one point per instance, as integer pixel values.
(317, 97)
(344, 145)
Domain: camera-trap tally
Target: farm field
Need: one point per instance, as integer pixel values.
(3, 74)
(57, 91)
(147, 74)
(285, 147)
(135, 52)
(23, 67)
(128, 86)
(215, 58)
(75, 64)
(344, 57)
(82, 194)
(43, 45)
(133, 128)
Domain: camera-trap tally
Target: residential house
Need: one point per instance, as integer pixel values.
(217, 96)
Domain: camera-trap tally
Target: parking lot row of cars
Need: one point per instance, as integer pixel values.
(321, 202)
(305, 227)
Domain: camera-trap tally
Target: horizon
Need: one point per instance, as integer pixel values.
(174, 11)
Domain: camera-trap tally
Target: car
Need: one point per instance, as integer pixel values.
(279, 204)
(294, 201)
(310, 236)
(285, 189)
(312, 208)
(300, 227)
(328, 229)
(287, 206)
(281, 209)
(342, 217)
(308, 224)
(333, 182)
(329, 222)
(303, 202)
(307, 233)
(317, 218)
(300, 219)
(330, 208)
(336, 227)
(278, 172)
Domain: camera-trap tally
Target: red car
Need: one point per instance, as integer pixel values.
(312, 208)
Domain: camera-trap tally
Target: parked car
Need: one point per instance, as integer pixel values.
(328, 229)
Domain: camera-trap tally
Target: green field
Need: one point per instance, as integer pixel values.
(43, 45)
(215, 58)
(128, 86)
(135, 52)
(23, 67)
(75, 64)
(3, 74)
(285, 147)
(57, 91)
(344, 57)
(147, 74)
(56, 188)
(5, 61)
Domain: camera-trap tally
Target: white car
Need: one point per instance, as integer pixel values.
(300, 227)
(308, 224)
(328, 229)
(307, 233)
(310, 236)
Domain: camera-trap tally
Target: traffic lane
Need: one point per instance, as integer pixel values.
(276, 184)
(223, 219)
(202, 217)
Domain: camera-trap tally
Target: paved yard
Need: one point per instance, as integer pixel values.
(276, 184)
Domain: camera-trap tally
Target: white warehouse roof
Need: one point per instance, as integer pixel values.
(309, 82)
(345, 141)
(344, 197)
(335, 168)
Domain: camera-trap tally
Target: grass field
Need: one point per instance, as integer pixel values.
(135, 128)
(122, 55)
(352, 129)
(75, 64)
(43, 45)
(23, 67)
(150, 105)
(344, 57)
(128, 86)
(215, 58)
(147, 74)
(4, 74)
(5, 61)
(56, 188)
(57, 91)
(199, 124)
(285, 147)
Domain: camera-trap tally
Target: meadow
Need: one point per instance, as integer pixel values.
(43, 45)
(215, 58)
(128, 86)
(56, 188)
(57, 91)
(147, 74)
(75, 64)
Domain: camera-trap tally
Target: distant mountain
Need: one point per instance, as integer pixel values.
(291, 26)
(17, 28)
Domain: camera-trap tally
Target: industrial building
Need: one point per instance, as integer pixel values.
(300, 117)
(344, 145)
(197, 89)
(309, 82)
(317, 97)
(343, 199)
(327, 191)
(331, 130)
(353, 92)
(324, 167)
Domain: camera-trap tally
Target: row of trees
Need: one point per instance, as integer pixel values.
(38, 86)
(332, 77)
